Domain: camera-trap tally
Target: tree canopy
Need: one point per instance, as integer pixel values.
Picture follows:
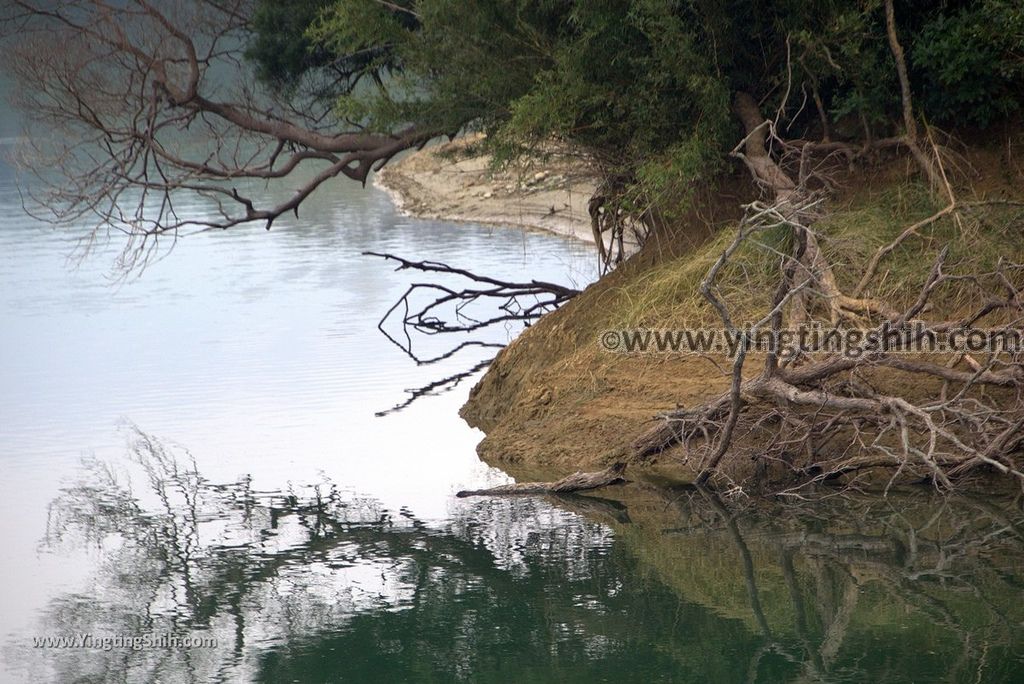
(646, 85)
(155, 100)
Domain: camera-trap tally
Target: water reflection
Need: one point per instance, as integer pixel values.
(319, 584)
(913, 587)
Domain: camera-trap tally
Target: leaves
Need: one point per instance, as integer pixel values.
(645, 85)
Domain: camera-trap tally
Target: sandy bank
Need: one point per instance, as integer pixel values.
(453, 182)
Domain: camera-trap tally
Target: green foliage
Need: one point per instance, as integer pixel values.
(645, 85)
(626, 81)
(348, 27)
(847, 52)
(667, 179)
(972, 61)
(280, 48)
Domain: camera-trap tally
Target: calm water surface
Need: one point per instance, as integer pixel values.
(194, 455)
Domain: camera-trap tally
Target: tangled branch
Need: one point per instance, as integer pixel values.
(457, 311)
(132, 125)
(831, 418)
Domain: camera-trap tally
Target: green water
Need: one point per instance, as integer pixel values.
(194, 455)
(317, 584)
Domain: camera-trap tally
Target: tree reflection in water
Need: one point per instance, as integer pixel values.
(315, 584)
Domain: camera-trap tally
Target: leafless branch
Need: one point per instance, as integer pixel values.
(140, 112)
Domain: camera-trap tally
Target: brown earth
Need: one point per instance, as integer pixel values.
(554, 401)
(455, 181)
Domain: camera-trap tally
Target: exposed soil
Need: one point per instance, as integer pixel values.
(554, 401)
(455, 182)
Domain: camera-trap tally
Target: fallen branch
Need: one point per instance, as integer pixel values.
(451, 310)
(953, 207)
(819, 415)
(577, 482)
(515, 302)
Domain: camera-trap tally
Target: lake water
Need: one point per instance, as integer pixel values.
(196, 489)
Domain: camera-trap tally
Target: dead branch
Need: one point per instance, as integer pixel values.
(577, 482)
(609, 224)
(514, 302)
(913, 230)
(826, 402)
(131, 125)
(461, 311)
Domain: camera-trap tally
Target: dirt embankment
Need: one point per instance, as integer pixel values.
(455, 182)
(555, 401)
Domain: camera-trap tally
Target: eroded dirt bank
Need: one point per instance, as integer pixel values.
(454, 182)
(556, 400)
(553, 401)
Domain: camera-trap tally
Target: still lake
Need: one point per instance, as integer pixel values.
(196, 489)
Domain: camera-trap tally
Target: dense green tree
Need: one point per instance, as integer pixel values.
(645, 87)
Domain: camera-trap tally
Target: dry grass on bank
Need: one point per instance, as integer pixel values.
(555, 401)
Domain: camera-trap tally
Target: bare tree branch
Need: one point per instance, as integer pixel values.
(141, 110)
(824, 403)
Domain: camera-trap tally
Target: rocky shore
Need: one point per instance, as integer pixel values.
(454, 181)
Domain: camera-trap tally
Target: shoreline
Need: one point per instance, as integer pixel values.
(454, 182)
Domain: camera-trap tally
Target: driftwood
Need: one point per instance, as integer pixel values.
(576, 482)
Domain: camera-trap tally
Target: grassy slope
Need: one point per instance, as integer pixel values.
(555, 401)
